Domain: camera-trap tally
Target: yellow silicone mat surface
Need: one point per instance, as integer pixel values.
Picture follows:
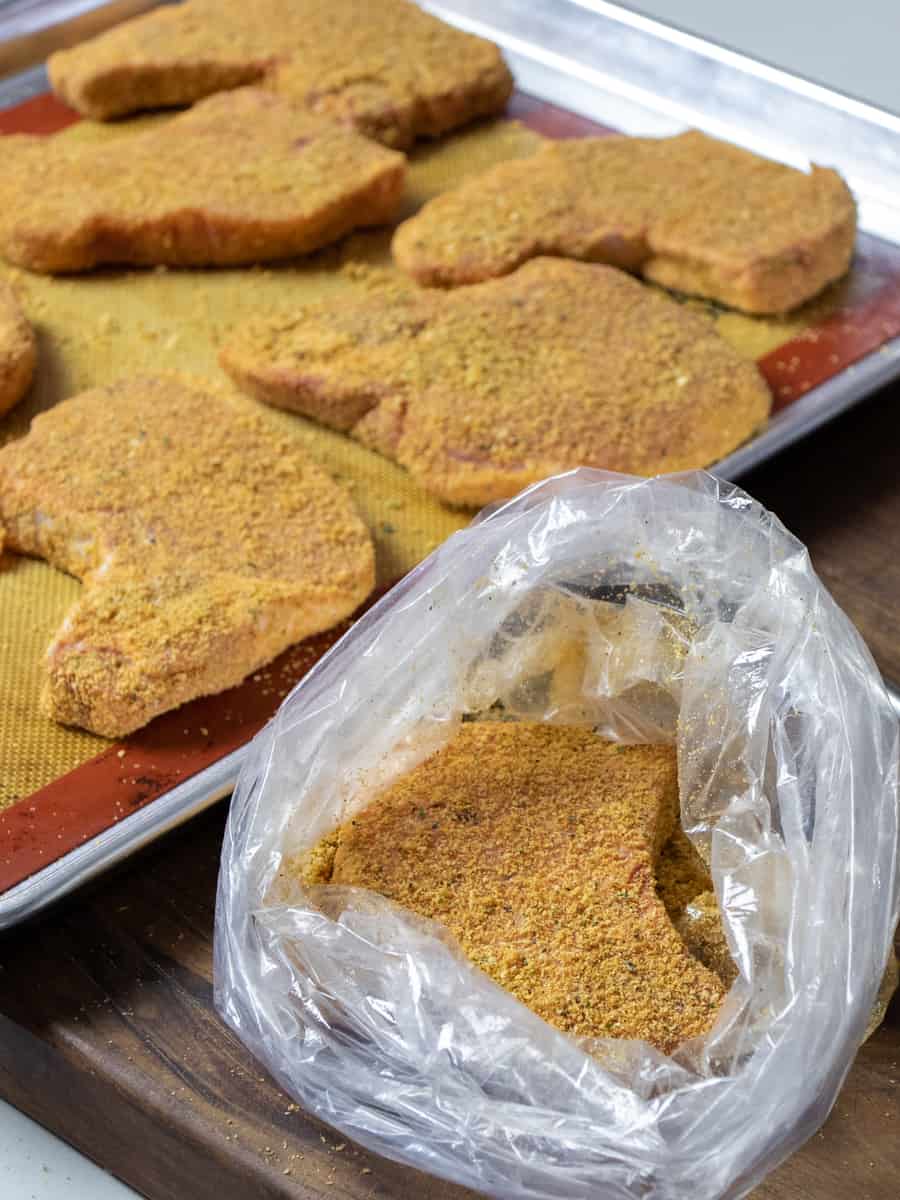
(97, 328)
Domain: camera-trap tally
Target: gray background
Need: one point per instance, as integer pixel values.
(850, 45)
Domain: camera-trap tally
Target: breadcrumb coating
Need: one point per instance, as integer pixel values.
(700, 926)
(18, 351)
(481, 391)
(681, 874)
(536, 845)
(241, 178)
(689, 212)
(207, 543)
(390, 69)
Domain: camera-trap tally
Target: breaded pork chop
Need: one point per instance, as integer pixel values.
(689, 212)
(240, 178)
(390, 69)
(483, 390)
(18, 350)
(207, 543)
(537, 846)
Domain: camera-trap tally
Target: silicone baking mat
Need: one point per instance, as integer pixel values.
(61, 787)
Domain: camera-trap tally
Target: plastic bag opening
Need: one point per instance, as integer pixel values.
(673, 609)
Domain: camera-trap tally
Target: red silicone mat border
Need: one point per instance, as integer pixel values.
(42, 828)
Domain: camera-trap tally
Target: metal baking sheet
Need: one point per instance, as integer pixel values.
(635, 75)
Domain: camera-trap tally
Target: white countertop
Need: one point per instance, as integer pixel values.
(849, 47)
(35, 1165)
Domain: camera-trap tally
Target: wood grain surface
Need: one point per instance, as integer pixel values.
(107, 1031)
(839, 492)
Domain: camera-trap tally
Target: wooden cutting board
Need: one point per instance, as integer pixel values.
(107, 1030)
(108, 1037)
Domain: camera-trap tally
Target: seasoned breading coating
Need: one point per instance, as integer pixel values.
(481, 391)
(686, 889)
(206, 540)
(681, 874)
(240, 178)
(689, 212)
(390, 69)
(536, 845)
(18, 351)
(700, 926)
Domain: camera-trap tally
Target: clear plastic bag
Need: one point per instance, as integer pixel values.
(673, 609)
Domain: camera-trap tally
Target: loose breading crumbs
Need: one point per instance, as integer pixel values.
(536, 845)
(392, 70)
(700, 925)
(689, 212)
(484, 390)
(686, 889)
(240, 178)
(681, 874)
(206, 540)
(18, 350)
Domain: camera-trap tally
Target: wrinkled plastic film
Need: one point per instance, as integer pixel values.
(669, 610)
